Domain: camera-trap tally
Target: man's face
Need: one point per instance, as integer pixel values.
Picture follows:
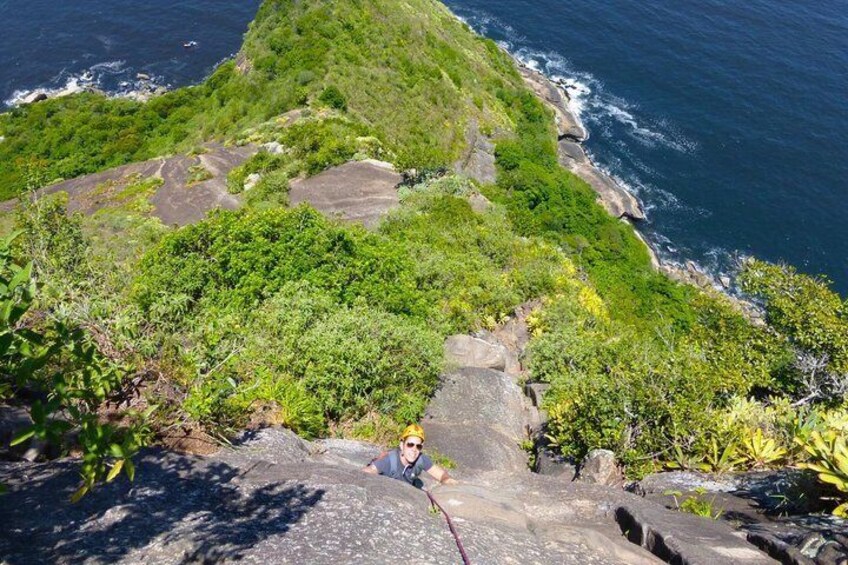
(411, 448)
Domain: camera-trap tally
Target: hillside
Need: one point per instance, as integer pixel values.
(410, 72)
(126, 330)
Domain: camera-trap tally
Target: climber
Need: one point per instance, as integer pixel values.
(406, 462)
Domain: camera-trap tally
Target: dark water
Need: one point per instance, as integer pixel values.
(729, 120)
(50, 45)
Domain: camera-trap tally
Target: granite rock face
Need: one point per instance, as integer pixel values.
(358, 191)
(599, 468)
(479, 161)
(480, 397)
(267, 500)
(617, 201)
(468, 351)
(174, 203)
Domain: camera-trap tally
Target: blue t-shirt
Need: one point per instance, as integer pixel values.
(391, 466)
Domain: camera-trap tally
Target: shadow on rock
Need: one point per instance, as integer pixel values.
(179, 509)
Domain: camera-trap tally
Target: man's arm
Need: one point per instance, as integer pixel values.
(441, 475)
(371, 470)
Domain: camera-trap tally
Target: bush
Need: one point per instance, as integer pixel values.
(64, 381)
(317, 362)
(471, 266)
(814, 320)
(237, 259)
(644, 396)
(333, 97)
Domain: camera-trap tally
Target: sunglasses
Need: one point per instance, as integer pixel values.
(418, 446)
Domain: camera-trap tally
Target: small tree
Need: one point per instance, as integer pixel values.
(815, 321)
(65, 380)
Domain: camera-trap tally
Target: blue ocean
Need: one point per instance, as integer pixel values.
(728, 120)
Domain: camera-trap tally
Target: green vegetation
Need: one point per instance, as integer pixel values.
(829, 457)
(544, 199)
(415, 75)
(196, 174)
(268, 315)
(58, 372)
(336, 327)
(309, 146)
(696, 504)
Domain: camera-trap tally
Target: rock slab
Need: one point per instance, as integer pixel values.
(599, 468)
(358, 191)
(468, 351)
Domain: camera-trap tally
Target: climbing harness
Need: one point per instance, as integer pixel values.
(435, 504)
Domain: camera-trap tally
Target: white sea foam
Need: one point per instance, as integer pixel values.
(109, 67)
(73, 85)
(64, 84)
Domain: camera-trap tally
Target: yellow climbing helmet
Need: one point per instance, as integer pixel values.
(412, 430)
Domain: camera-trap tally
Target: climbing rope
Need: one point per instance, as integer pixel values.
(435, 504)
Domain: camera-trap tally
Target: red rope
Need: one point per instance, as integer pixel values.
(465, 559)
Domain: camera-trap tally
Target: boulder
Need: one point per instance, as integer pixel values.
(251, 181)
(274, 148)
(468, 351)
(571, 153)
(554, 465)
(479, 203)
(599, 467)
(480, 397)
(34, 97)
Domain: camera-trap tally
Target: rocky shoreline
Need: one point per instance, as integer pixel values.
(144, 88)
(571, 134)
(611, 195)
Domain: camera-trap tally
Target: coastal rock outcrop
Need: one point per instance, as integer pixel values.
(568, 126)
(612, 196)
(617, 201)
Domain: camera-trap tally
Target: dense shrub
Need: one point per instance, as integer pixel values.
(238, 259)
(318, 362)
(639, 394)
(810, 315)
(472, 266)
(544, 199)
(57, 372)
(333, 97)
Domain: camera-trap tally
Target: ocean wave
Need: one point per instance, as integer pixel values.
(110, 67)
(112, 78)
(589, 100)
